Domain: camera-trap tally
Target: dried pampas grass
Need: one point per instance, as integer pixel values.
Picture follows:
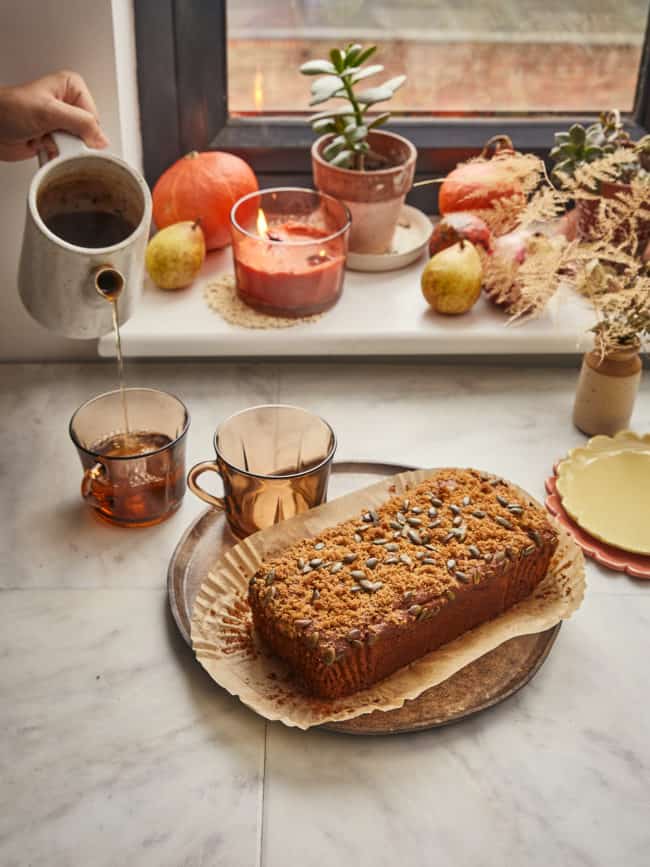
(605, 265)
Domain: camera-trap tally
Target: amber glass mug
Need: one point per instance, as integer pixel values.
(274, 462)
(131, 444)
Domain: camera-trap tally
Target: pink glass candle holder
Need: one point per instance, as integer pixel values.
(289, 247)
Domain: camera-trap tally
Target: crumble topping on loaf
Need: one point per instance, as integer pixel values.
(403, 561)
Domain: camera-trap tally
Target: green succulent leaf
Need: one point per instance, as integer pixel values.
(317, 67)
(379, 120)
(577, 134)
(564, 168)
(326, 84)
(351, 52)
(395, 83)
(595, 135)
(363, 55)
(382, 92)
(338, 59)
(316, 100)
(323, 125)
(343, 159)
(332, 113)
(325, 88)
(374, 94)
(330, 153)
(360, 74)
(357, 134)
(566, 150)
(334, 146)
(592, 152)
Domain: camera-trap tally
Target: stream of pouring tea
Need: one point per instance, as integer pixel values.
(110, 285)
(120, 366)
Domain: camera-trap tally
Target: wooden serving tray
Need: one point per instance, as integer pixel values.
(482, 684)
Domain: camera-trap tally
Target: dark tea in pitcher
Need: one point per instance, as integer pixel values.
(90, 229)
(87, 211)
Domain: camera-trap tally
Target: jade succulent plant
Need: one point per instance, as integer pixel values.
(580, 145)
(349, 124)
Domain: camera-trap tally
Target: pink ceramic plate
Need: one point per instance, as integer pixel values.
(636, 565)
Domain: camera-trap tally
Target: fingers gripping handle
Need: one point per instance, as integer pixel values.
(68, 146)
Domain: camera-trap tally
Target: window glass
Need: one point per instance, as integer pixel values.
(460, 56)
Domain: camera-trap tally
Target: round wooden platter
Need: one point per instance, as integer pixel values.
(482, 684)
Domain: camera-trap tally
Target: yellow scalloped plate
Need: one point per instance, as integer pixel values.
(605, 487)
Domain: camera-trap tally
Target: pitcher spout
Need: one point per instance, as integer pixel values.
(108, 282)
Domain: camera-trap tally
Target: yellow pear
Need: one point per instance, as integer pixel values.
(451, 280)
(175, 255)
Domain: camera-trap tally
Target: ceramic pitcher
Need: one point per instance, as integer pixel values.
(61, 282)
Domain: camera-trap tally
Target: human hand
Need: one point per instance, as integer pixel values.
(30, 112)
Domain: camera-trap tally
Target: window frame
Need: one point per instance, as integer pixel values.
(181, 50)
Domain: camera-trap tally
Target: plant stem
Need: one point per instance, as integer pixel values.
(358, 114)
(379, 158)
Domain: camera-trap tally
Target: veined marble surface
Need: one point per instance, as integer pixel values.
(115, 746)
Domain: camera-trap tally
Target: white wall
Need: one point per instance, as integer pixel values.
(36, 37)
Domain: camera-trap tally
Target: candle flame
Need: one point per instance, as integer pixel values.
(258, 90)
(262, 224)
(322, 253)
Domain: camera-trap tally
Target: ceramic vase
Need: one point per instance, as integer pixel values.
(606, 391)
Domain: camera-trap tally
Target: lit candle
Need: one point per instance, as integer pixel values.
(292, 262)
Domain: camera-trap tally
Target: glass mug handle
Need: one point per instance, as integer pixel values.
(92, 475)
(198, 470)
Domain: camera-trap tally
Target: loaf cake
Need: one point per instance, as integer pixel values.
(349, 607)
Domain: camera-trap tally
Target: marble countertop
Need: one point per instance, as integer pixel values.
(117, 748)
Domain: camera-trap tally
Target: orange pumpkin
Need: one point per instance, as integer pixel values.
(476, 186)
(204, 187)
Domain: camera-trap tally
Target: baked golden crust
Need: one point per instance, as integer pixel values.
(351, 606)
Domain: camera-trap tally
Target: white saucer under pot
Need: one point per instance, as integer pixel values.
(410, 240)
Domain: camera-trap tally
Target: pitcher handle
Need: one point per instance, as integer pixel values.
(197, 470)
(68, 146)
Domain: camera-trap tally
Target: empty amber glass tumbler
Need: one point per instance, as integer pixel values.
(132, 448)
(274, 462)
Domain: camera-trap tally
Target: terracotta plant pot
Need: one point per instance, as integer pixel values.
(607, 391)
(375, 198)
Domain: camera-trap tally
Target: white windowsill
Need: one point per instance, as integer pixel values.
(378, 314)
